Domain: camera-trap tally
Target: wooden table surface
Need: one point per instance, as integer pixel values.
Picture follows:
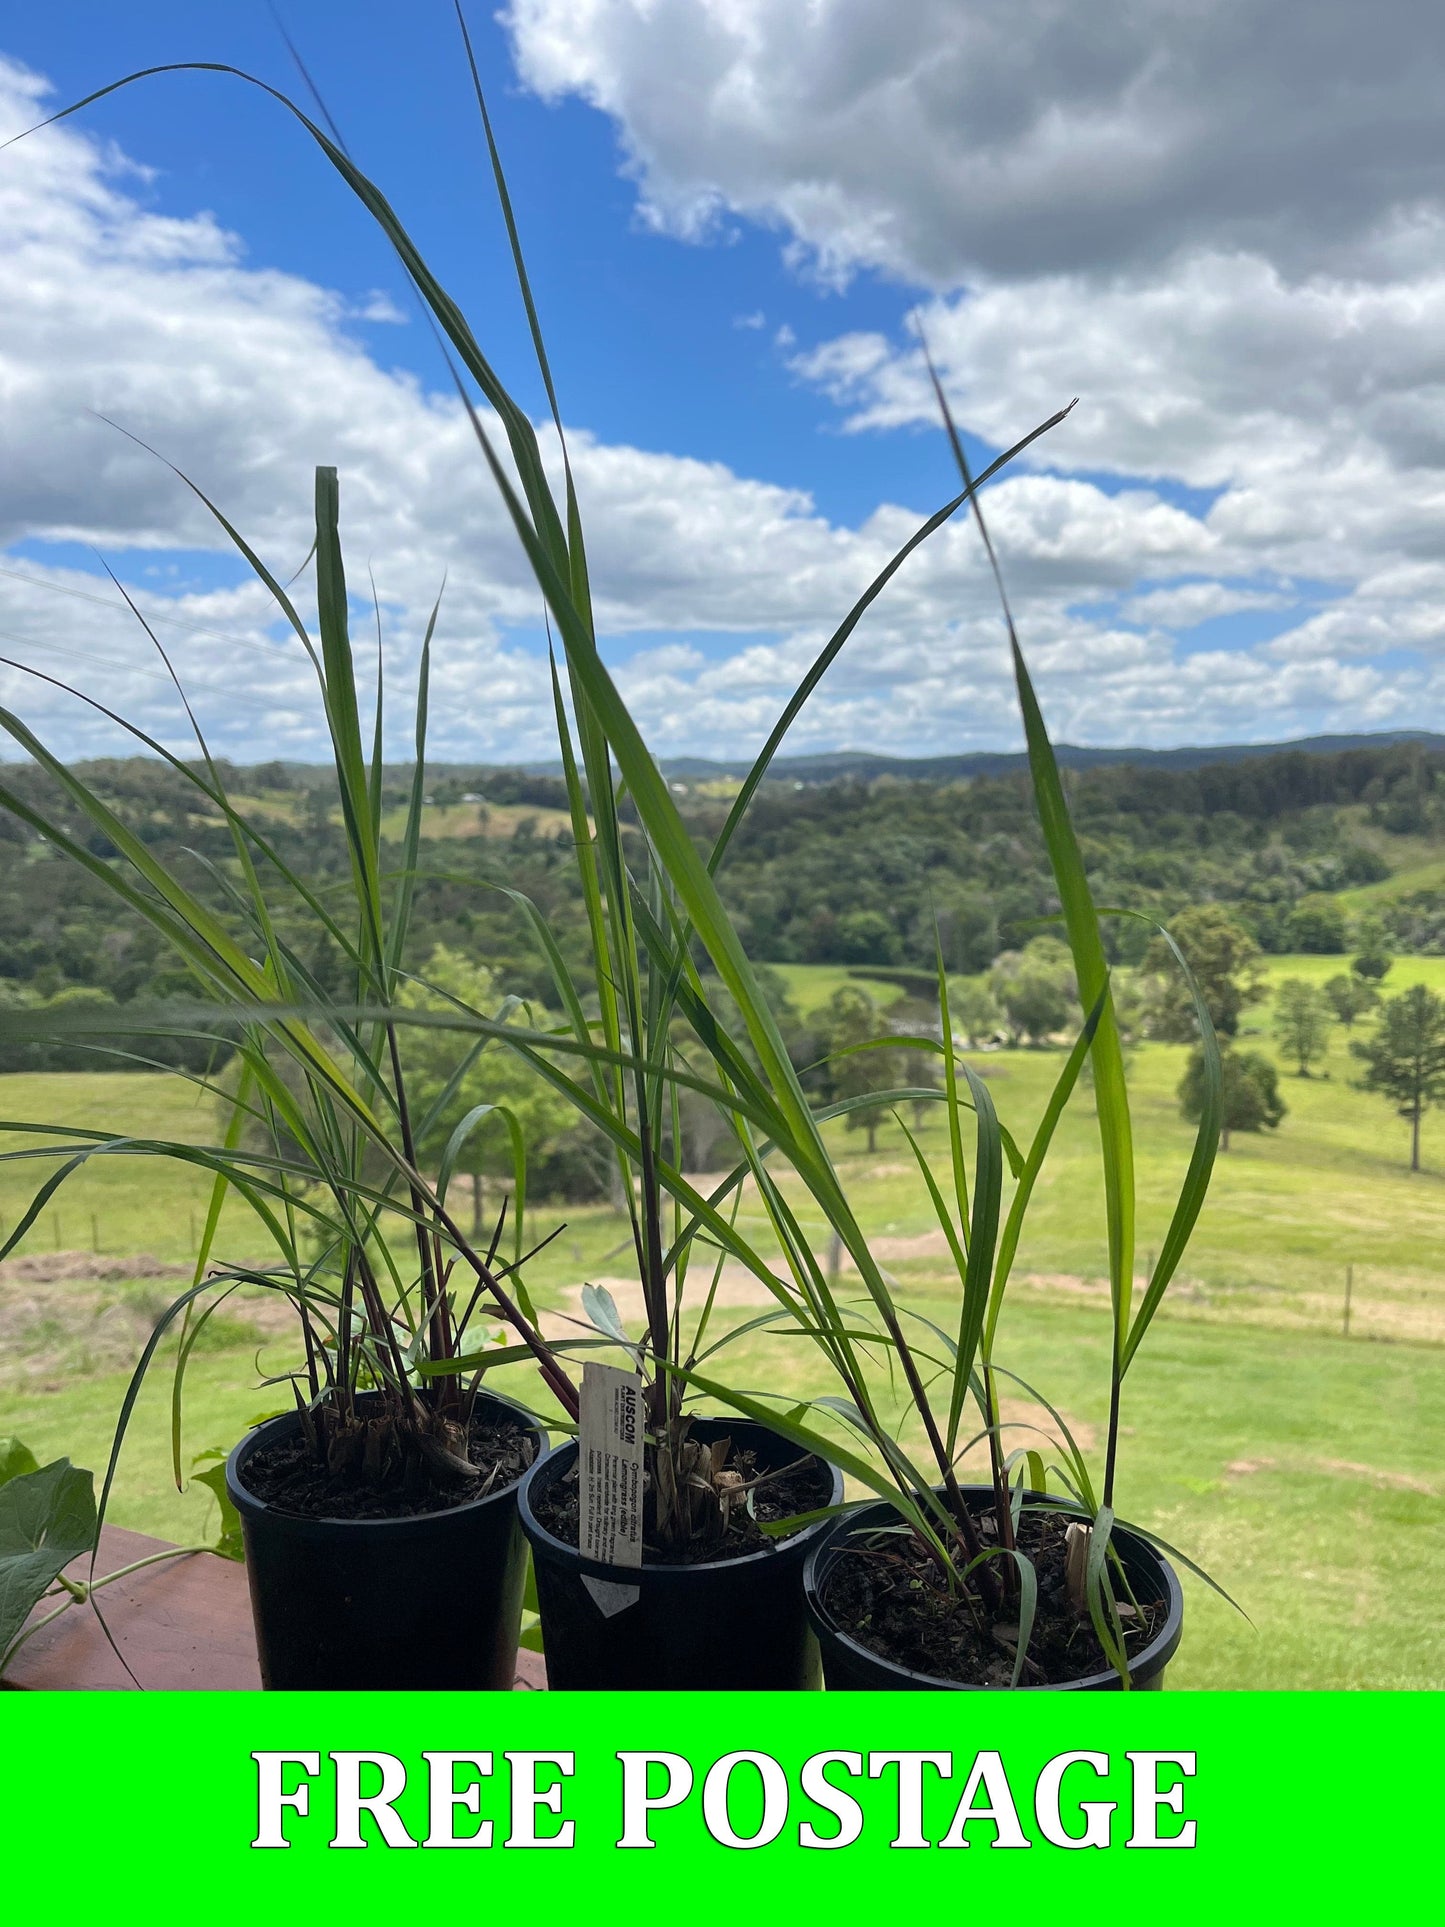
(184, 1625)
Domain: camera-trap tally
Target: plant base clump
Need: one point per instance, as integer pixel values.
(379, 1472)
(726, 1527)
(886, 1592)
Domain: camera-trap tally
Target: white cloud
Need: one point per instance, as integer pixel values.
(1189, 603)
(1313, 414)
(246, 378)
(1222, 227)
(936, 141)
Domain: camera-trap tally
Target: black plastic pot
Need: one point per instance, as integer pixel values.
(725, 1625)
(434, 1601)
(849, 1666)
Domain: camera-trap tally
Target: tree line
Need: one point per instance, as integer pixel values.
(870, 875)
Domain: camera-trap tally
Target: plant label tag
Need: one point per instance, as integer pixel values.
(609, 1479)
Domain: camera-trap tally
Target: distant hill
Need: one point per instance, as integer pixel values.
(834, 766)
(864, 765)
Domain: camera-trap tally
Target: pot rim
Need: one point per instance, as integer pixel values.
(539, 1535)
(1154, 1657)
(251, 1507)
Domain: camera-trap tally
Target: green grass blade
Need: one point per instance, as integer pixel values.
(1201, 1163)
(416, 803)
(1038, 1150)
(983, 1239)
(831, 648)
(950, 1088)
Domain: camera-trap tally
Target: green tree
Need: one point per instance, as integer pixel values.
(1225, 960)
(975, 1013)
(967, 928)
(1250, 1089)
(1301, 1022)
(1131, 1010)
(849, 1019)
(1405, 1059)
(866, 936)
(1316, 925)
(920, 1070)
(1350, 998)
(1035, 989)
(495, 1076)
(318, 804)
(1373, 960)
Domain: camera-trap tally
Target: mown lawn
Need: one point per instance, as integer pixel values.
(120, 1202)
(1305, 1473)
(810, 986)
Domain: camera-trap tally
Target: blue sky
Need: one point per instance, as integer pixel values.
(649, 337)
(731, 211)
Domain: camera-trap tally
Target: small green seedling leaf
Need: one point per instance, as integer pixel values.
(798, 1521)
(15, 1459)
(229, 1543)
(600, 1310)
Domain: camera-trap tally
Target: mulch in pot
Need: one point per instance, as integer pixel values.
(886, 1592)
(795, 1488)
(289, 1476)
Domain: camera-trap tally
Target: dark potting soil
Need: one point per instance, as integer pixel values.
(803, 1487)
(886, 1593)
(287, 1476)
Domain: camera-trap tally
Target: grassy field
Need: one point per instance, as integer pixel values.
(811, 985)
(117, 1204)
(439, 820)
(1427, 874)
(1304, 1468)
(1305, 1473)
(1404, 972)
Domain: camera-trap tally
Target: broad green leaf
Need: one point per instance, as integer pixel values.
(47, 1518)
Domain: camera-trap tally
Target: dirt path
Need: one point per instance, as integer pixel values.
(738, 1290)
(83, 1267)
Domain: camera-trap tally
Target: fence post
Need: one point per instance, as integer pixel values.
(1349, 1287)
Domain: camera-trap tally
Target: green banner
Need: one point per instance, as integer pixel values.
(232, 1808)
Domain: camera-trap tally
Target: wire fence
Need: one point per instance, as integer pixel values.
(1352, 1301)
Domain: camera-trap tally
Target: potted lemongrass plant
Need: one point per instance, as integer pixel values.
(940, 1584)
(380, 1521)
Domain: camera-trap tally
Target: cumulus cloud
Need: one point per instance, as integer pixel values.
(245, 378)
(936, 141)
(1222, 227)
(1188, 604)
(1309, 417)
